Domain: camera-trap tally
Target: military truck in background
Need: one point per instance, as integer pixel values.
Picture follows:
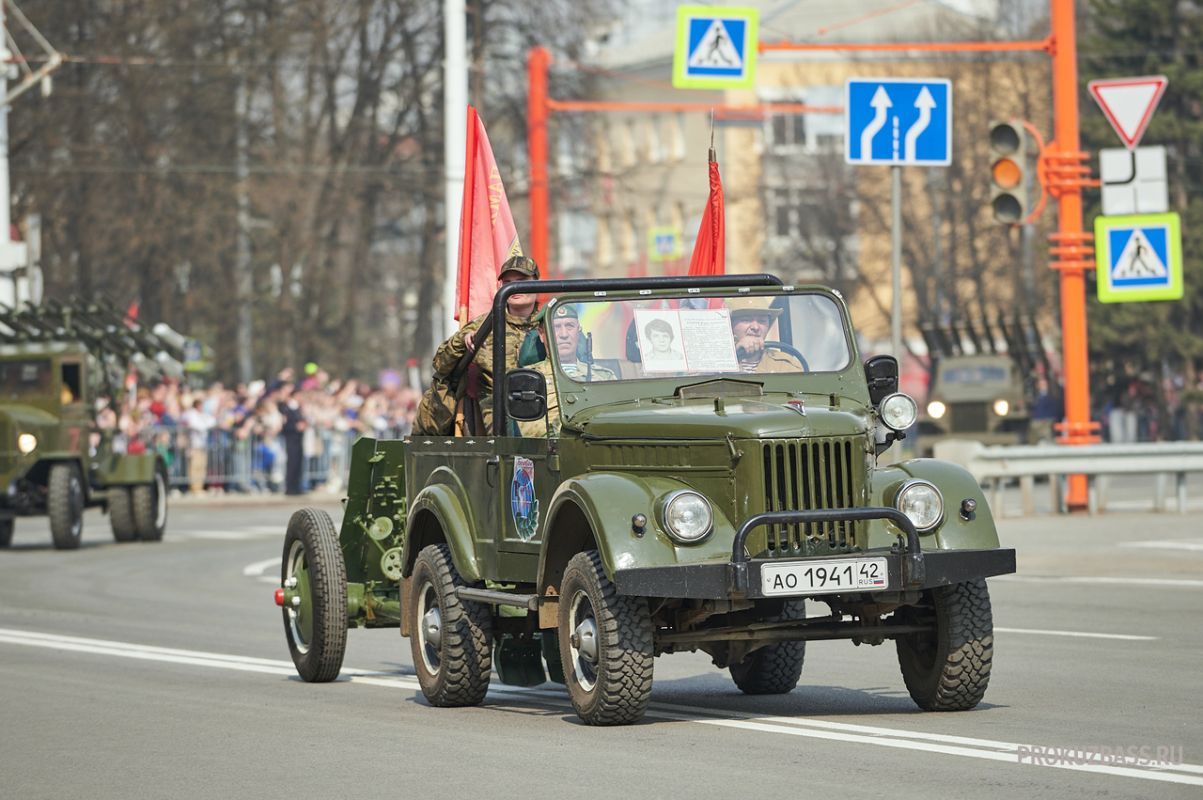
(60, 367)
(656, 500)
(981, 388)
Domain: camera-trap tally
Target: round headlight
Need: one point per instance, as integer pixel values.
(1001, 407)
(936, 409)
(27, 443)
(922, 504)
(687, 517)
(898, 411)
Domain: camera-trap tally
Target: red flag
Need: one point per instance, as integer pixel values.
(487, 234)
(709, 251)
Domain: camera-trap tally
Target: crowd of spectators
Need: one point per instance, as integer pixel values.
(291, 433)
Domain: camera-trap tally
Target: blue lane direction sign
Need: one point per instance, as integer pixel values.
(898, 121)
(1138, 257)
(716, 47)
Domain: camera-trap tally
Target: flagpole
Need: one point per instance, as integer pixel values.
(455, 126)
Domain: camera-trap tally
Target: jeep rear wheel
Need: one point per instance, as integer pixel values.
(605, 645)
(948, 667)
(774, 668)
(65, 506)
(452, 641)
(150, 507)
(121, 514)
(314, 578)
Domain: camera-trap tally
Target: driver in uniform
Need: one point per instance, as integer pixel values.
(751, 320)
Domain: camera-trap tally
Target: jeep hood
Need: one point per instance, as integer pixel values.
(742, 418)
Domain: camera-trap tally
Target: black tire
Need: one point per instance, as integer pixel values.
(314, 572)
(121, 514)
(948, 668)
(774, 668)
(6, 532)
(452, 641)
(605, 645)
(150, 507)
(65, 506)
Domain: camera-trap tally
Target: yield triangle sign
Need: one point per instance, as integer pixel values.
(1128, 103)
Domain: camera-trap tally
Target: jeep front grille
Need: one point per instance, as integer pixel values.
(809, 474)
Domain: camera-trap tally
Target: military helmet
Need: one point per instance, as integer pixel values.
(523, 265)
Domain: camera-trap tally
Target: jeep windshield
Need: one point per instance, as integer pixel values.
(697, 336)
(25, 378)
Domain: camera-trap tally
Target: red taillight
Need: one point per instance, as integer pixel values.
(280, 597)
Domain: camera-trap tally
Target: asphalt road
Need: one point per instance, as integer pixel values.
(161, 671)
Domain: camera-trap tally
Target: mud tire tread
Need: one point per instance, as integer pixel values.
(774, 668)
(328, 582)
(955, 675)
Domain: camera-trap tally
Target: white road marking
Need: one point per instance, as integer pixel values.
(966, 747)
(257, 569)
(1127, 637)
(1192, 545)
(1167, 583)
(238, 534)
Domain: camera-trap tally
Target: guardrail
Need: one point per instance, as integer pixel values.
(995, 465)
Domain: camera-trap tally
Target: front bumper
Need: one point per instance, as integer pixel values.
(908, 567)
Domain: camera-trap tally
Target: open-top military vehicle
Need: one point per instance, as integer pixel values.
(693, 493)
(55, 459)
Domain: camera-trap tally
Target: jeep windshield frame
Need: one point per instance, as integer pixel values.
(682, 283)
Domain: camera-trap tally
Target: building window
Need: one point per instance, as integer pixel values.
(787, 132)
(676, 137)
(655, 148)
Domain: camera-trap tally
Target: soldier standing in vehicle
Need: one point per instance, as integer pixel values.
(566, 329)
(751, 320)
(519, 320)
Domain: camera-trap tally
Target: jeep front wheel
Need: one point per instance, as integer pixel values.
(948, 667)
(774, 668)
(314, 579)
(605, 645)
(452, 641)
(65, 506)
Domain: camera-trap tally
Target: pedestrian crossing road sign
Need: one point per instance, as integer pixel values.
(716, 47)
(1139, 257)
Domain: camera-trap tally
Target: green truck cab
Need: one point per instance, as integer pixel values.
(689, 497)
(54, 458)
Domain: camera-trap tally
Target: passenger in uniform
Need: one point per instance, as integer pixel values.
(566, 330)
(519, 320)
(751, 320)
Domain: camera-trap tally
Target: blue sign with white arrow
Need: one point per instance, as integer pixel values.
(898, 121)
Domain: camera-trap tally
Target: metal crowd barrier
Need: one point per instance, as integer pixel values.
(995, 465)
(255, 463)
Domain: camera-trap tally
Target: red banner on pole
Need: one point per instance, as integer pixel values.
(487, 235)
(709, 250)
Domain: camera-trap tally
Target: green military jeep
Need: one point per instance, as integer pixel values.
(696, 488)
(981, 397)
(55, 461)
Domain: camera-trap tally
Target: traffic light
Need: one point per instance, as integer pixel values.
(1008, 172)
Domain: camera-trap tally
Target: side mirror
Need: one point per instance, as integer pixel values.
(881, 372)
(525, 395)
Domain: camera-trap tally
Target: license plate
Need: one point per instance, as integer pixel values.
(824, 577)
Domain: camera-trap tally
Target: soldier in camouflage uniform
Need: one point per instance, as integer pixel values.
(751, 319)
(519, 320)
(566, 328)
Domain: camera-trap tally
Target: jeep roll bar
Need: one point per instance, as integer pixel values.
(586, 285)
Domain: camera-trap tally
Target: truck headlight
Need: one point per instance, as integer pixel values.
(27, 443)
(1001, 407)
(936, 409)
(898, 411)
(687, 516)
(922, 504)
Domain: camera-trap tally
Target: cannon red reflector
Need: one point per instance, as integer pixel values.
(280, 597)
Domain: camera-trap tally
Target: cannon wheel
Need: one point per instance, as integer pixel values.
(313, 572)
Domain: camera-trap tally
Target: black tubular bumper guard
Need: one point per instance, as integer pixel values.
(908, 566)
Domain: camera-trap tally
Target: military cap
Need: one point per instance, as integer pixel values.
(751, 306)
(564, 311)
(523, 265)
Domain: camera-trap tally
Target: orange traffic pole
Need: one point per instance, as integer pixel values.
(537, 63)
(1072, 251)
